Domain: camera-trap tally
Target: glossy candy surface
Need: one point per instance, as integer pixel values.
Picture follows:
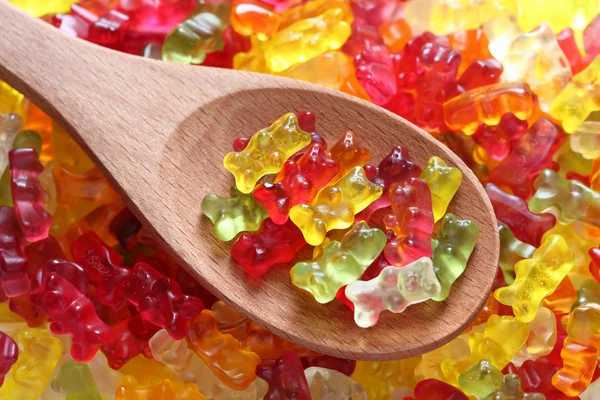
(511, 86)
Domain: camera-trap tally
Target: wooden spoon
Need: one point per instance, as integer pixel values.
(159, 133)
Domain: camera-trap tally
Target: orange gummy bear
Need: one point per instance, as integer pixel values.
(579, 364)
(222, 353)
(252, 17)
(348, 154)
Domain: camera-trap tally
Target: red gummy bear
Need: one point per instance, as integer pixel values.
(536, 376)
(41, 251)
(527, 157)
(396, 167)
(290, 188)
(132, 336)
(412, 221)
(8, 354)
(362, 37)
(285, 377)
(28, 195)
(103, 264)
(72, 272)
(497, 140)
(73, 314)
(308, 123)
(317, 166)
(160, 301)
(432, 389)
(440, 66)
(13, 264)
(513, 211)
(481, 73)
(567, 43)
(375, 72)
(271, 244)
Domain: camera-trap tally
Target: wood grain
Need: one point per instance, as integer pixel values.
(159, 133)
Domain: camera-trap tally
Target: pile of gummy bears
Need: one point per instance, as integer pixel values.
(290, 191)
(92, 308)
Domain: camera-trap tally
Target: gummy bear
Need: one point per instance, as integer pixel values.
(537, 59)
(433, 389)
(335, 206)
(488, 104)
(130, 389)
(317, 166)
(271, 244)
(338, 65)
(579, 364)
(8, 355)
(381, 378)
(572, 200)
(537, 277)
(481, 379)
(222, 353)
(348, 153)
(103, 264)
(443, 182)
(132, 336)
(396, 167)
(252, 17)
(73, 314)
(375, 72)
(36, 363)
(395, 34)
(160, 301)
(13, 263)
(527, 157)
(339, 263)
(453, 246)
(188, 367)
(512, 250)
(585, 140)
(241, 212)
(266, 152)
(28, 195)
(285, 377)
(412, 221)
(326, 383)
(446, 16)
(394, 290)
(314, 8)
(290, 45)
(513, 211)
(75, 380)
(578, 99)
(198, 35)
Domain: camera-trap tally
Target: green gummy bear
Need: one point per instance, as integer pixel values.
(481, 379)
(453, 246)
(512, 250)
(571, 199)
(340, 263)
(75, 380)
(200, 34)
(24, 140)
(239, 213)
(511, 390)
(443, 182)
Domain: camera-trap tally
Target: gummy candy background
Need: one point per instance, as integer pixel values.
(511, 86)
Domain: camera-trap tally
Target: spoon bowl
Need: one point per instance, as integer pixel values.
(159, 133)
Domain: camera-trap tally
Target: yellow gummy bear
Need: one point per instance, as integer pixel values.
(325, 384)
(313, 9)
(266, 152)
(537, 277)
(334, 207)
(381, 377)
(500, 341)
(443, 17)
(30, 375)
(580, 246)
(558, 14)
(11, 101)
(39, 8)
(580, 98)
(443, 181)
(339, 67)
(306, 39)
